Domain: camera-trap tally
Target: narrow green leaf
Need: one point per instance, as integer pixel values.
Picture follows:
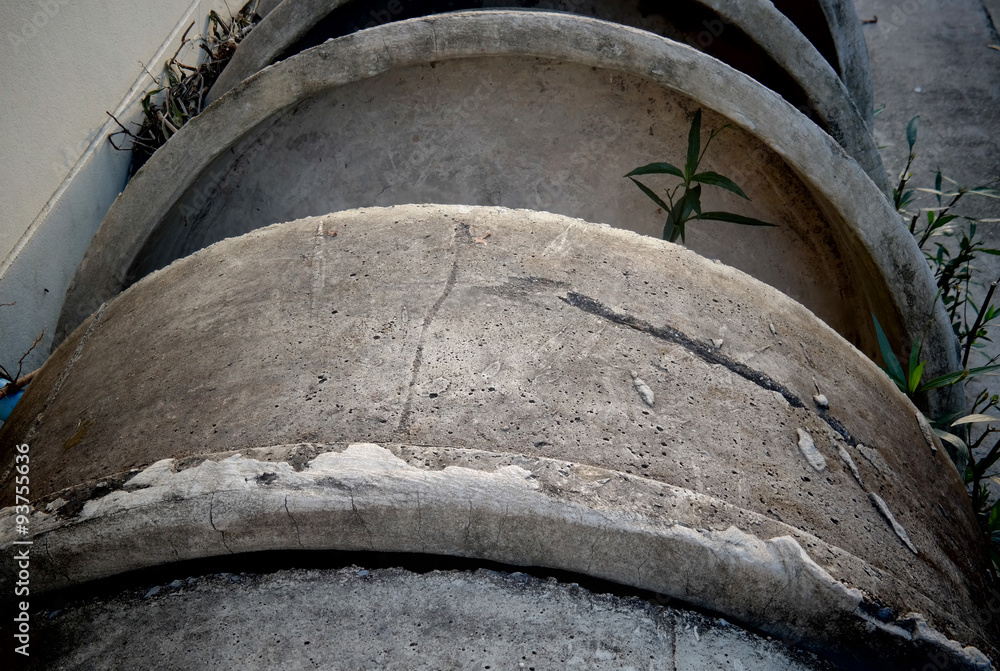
(649, 192)
(694, 199)
(914, 361)
(962, 454)
(944, 380)
(892, 367)
(670, 230)
(915, 377)
(976, 419)
(911, 132)
(733, 218)
(715, 179)
(657, 169)
(694, 146)
(983, 370)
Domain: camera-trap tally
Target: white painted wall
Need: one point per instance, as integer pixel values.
(63, 64)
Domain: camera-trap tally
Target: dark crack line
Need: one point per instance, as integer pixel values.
(298, 536)
(55, 565)
(420, 525)
(211, 520)
(404, 416)
(705, 351)
(357, 513)
(773, 597)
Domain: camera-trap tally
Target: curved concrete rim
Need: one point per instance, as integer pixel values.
(515, 510)
(852, 54)
(828, 96)
(829, 172)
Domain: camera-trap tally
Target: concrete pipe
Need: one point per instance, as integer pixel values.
(752, 37)
(525, 109)
(395, 619)
(510, 386)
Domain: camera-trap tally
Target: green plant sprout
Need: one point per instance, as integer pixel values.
(954, 273)
(683, 202)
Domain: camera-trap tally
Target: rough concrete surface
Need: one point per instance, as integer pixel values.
(753, 37)
(839, 248)
(505, 342)
(359, 619)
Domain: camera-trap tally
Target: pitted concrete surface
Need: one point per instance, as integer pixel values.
(517, 335)
(751, 36)
(449, 124)
(355, 618)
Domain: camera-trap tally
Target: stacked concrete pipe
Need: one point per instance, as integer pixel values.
(524, 109)
(503, 385)
(758, 38)
(511, 388)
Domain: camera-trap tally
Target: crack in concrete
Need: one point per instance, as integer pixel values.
(211, 520)
(705, 351)
(298, 537)
(55, 565)
(775, 596)
(357, 513)
(404, 416)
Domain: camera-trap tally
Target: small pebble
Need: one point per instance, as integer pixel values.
(153, 591)
(821, 401)
(645, 393)
(718, 343)
(175, 584)
(362, 573)
(808, 448)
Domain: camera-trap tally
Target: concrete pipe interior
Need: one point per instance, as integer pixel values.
(754, 38)
(360, 617)
(462, 108)
(512, 386)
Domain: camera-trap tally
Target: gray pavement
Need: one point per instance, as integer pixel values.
(934, 58)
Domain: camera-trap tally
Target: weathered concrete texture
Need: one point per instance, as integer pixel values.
(377, 118)
(368, 498)
(586, 398)
(355, 618)
(752, 37)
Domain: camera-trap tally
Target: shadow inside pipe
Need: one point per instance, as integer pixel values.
(685, 21)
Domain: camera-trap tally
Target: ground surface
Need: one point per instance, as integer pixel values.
(933, 58)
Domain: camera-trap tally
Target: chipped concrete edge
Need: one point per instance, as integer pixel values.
(368, 498)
